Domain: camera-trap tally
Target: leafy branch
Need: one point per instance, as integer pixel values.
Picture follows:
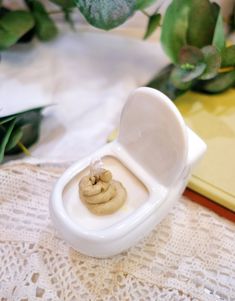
(192, 35)
(196, 44)
(19, 131)
(35, 21)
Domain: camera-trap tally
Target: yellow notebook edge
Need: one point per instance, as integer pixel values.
(211, 192)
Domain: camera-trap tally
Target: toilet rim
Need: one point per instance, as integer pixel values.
(61, 217)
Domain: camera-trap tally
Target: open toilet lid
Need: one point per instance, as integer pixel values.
(153, 132)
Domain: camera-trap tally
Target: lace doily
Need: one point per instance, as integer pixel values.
(189, 256)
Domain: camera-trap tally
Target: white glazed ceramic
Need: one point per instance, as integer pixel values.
(152, 157)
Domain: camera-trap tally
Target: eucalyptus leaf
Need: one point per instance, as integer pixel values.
(212, 59)
(190, 55)
(177, 76)
(192, 74)
(218, 84)
(192, 64)
(228, 56)
(153, 23)
(162, 77)
(13, 25)
(162, 83)
(202, 23)
(182, 78)
(15, 137)
(219, 36)
(45, 27)
(106, 14)
(175, 27)
(142, 4)
(5, 133)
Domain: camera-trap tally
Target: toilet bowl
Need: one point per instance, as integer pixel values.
(153, 157)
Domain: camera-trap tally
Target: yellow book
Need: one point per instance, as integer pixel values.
(212, 117)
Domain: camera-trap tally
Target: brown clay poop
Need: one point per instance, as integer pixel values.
(101, 194)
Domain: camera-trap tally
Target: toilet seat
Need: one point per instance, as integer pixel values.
(153, 132)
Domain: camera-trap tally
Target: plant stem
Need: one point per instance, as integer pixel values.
(145, 13)
(226, 69)
(24, 149)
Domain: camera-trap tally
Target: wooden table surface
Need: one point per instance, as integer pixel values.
(200, 199)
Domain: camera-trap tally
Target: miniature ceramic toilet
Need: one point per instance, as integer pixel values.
(152, 157)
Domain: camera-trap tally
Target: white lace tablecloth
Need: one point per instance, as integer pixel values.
(189, 256)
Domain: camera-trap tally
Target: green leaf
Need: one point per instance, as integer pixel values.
(28, 37)
(162, 77)
(35, 109)
(142, 4)
(4, 137)
(190, 55)
(29, 124)
(220, 83)
(176, 79)
(162, 83)
(45, 27)
(68, 18)
(202, 23)
(64, 3)
(174, 28)
(67, 7)
(25, 132)
(183, 78)
(192, 74)
(13, 25)
(153, 23)
(232, 20)
(219, 36)
(191, 65)
(3, 11)
(212, 59)
(106, 14)
(228, 56)
(6, 119)
(15, 137)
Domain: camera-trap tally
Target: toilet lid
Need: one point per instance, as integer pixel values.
(153, 132)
